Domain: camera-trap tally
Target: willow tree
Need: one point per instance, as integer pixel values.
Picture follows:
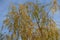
(31, 22)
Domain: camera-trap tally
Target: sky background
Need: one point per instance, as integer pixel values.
(4, 8)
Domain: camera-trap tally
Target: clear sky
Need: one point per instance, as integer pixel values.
(4, 5)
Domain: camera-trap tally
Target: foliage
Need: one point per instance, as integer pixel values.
(31, 22)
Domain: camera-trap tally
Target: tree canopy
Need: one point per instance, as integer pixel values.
(31, 22)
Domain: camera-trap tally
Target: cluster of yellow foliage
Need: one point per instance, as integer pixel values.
(21, 22)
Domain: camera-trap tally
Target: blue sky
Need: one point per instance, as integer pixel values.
(4, 5)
